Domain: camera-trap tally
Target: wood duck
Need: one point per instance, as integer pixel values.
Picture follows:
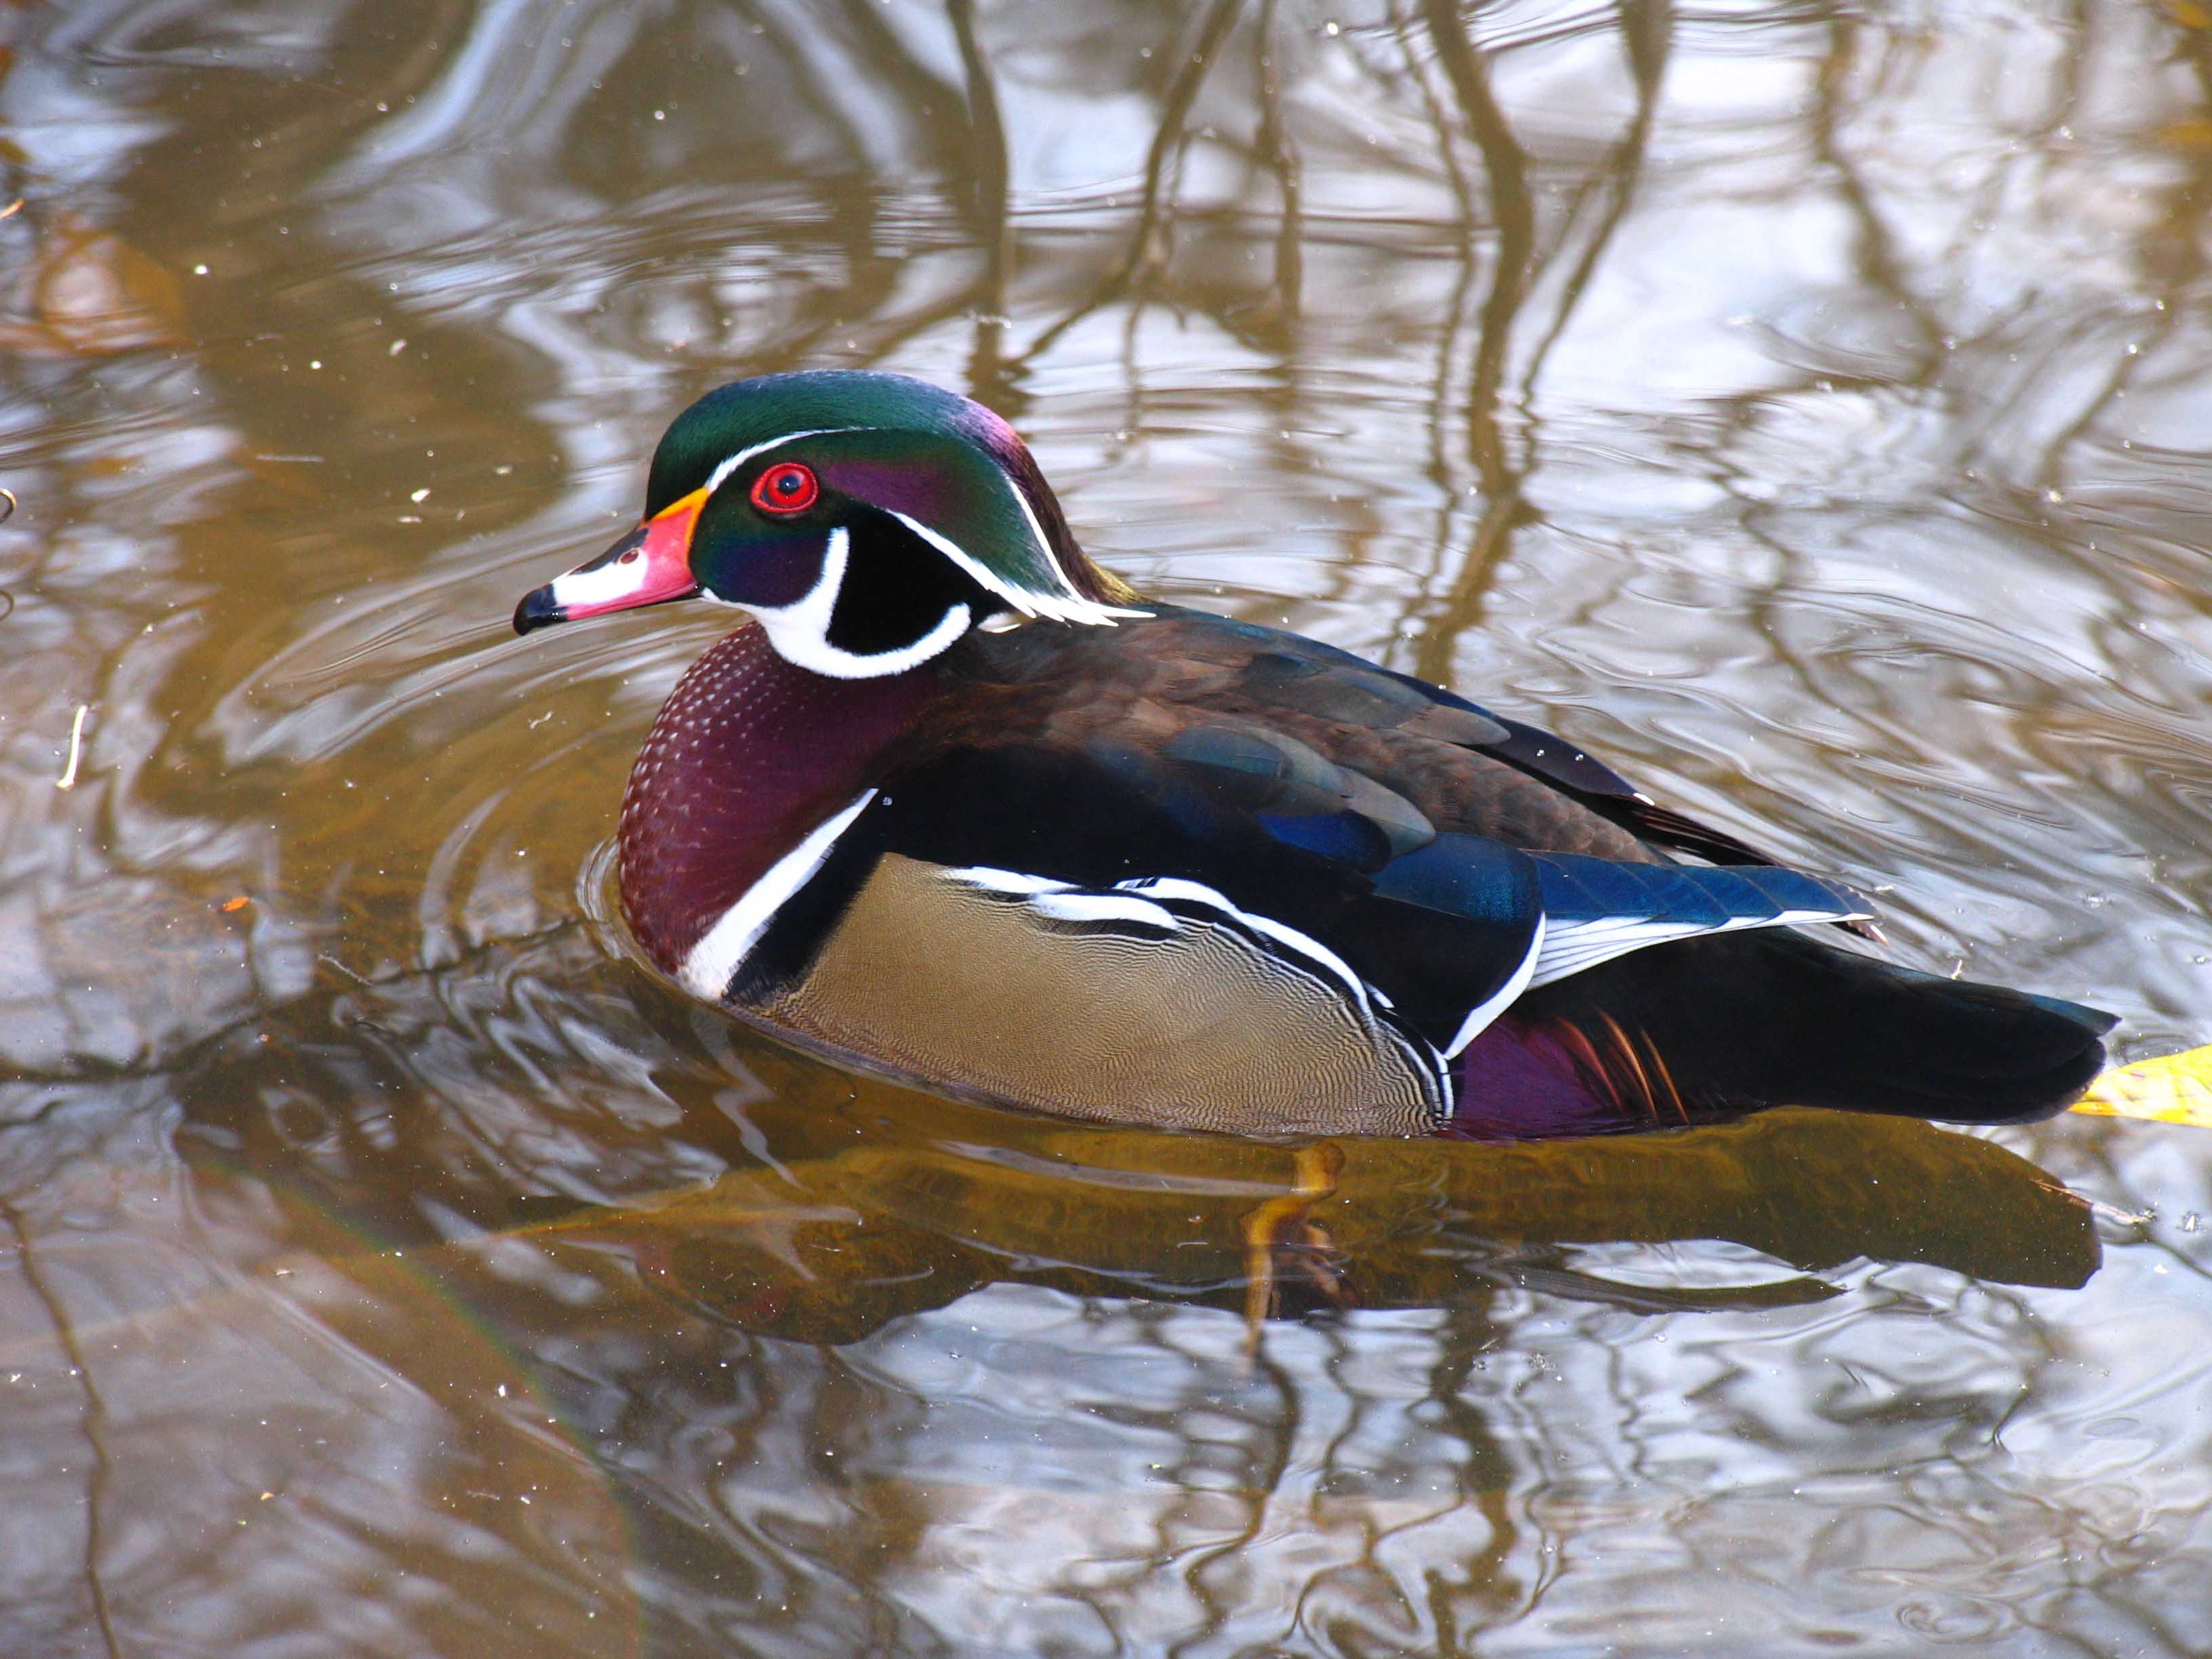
(957, 804)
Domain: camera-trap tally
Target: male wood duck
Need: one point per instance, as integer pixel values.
(960, 804)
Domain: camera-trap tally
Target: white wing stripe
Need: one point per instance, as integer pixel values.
(1131, 901)
(1062, 901)
(1103, 906)
(1175, 887)
(1007, 881)
(1571, 946)
(1478, 1017)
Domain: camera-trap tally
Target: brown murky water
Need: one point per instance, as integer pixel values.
(1803, 405)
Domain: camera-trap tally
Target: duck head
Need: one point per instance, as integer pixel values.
(868, 521)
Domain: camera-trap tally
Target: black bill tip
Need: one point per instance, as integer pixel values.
(538, 609)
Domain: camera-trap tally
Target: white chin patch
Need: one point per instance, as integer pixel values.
(799, 631)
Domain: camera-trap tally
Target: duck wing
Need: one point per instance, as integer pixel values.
(1288, 672)
(1341, 820)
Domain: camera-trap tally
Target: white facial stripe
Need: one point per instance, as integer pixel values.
(844, 666)
(1065, 605)
(611, 584)
(1068, 606)
(1037, 533)
(1096, 615)
(1027, 603)
(799, 631)
(721, 474)
(708, 969)
(805, 623)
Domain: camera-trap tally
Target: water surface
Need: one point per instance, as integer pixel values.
(1802, 405)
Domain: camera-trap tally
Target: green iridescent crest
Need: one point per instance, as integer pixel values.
(951, 472)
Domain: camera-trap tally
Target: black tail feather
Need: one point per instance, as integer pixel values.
(1778, 1018)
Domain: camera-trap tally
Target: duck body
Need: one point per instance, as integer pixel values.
(959, 805)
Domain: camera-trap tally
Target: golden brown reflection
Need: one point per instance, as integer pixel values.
(831, 1250)
(1801, 405)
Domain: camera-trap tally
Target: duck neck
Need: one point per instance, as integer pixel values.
(749, 753)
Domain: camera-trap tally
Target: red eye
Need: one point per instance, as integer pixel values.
(787, 488)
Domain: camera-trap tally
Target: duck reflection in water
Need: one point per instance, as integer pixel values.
(832, 1249)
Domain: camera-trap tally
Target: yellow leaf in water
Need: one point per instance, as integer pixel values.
(2172, 1089)
(2189, 14)
(2191, 132)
